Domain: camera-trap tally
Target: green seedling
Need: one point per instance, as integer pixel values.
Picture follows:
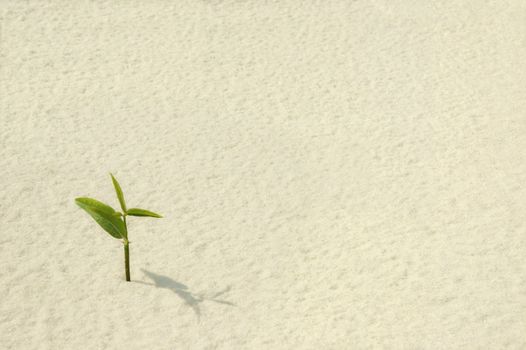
(112, 221)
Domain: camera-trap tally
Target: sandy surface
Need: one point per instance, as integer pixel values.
(333, 174)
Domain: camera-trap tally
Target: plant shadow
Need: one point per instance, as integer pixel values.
(190, 298)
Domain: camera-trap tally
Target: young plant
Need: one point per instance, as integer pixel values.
(112, 221)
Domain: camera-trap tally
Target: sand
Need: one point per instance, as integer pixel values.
(333, 174)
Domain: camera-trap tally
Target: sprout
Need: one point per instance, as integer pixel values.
(112, 221)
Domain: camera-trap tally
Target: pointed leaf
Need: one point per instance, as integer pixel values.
(142, 212)
(104, 215)
(120, 195)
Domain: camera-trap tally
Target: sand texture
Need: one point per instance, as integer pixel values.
(333, 174)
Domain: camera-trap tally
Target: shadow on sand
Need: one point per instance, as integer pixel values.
(190, 299)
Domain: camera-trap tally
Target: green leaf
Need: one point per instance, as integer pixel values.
(142, 212)
(120, 195)
(104, 215)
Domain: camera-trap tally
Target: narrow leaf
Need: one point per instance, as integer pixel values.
(120, 195)
(142, 212)
(104, 215)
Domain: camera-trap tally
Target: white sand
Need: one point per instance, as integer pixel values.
(348, 174)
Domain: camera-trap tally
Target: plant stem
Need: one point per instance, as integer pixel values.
(127, 259)
(126, 252)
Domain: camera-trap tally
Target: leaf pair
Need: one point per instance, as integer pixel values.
(110, 220)
(131, 211)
